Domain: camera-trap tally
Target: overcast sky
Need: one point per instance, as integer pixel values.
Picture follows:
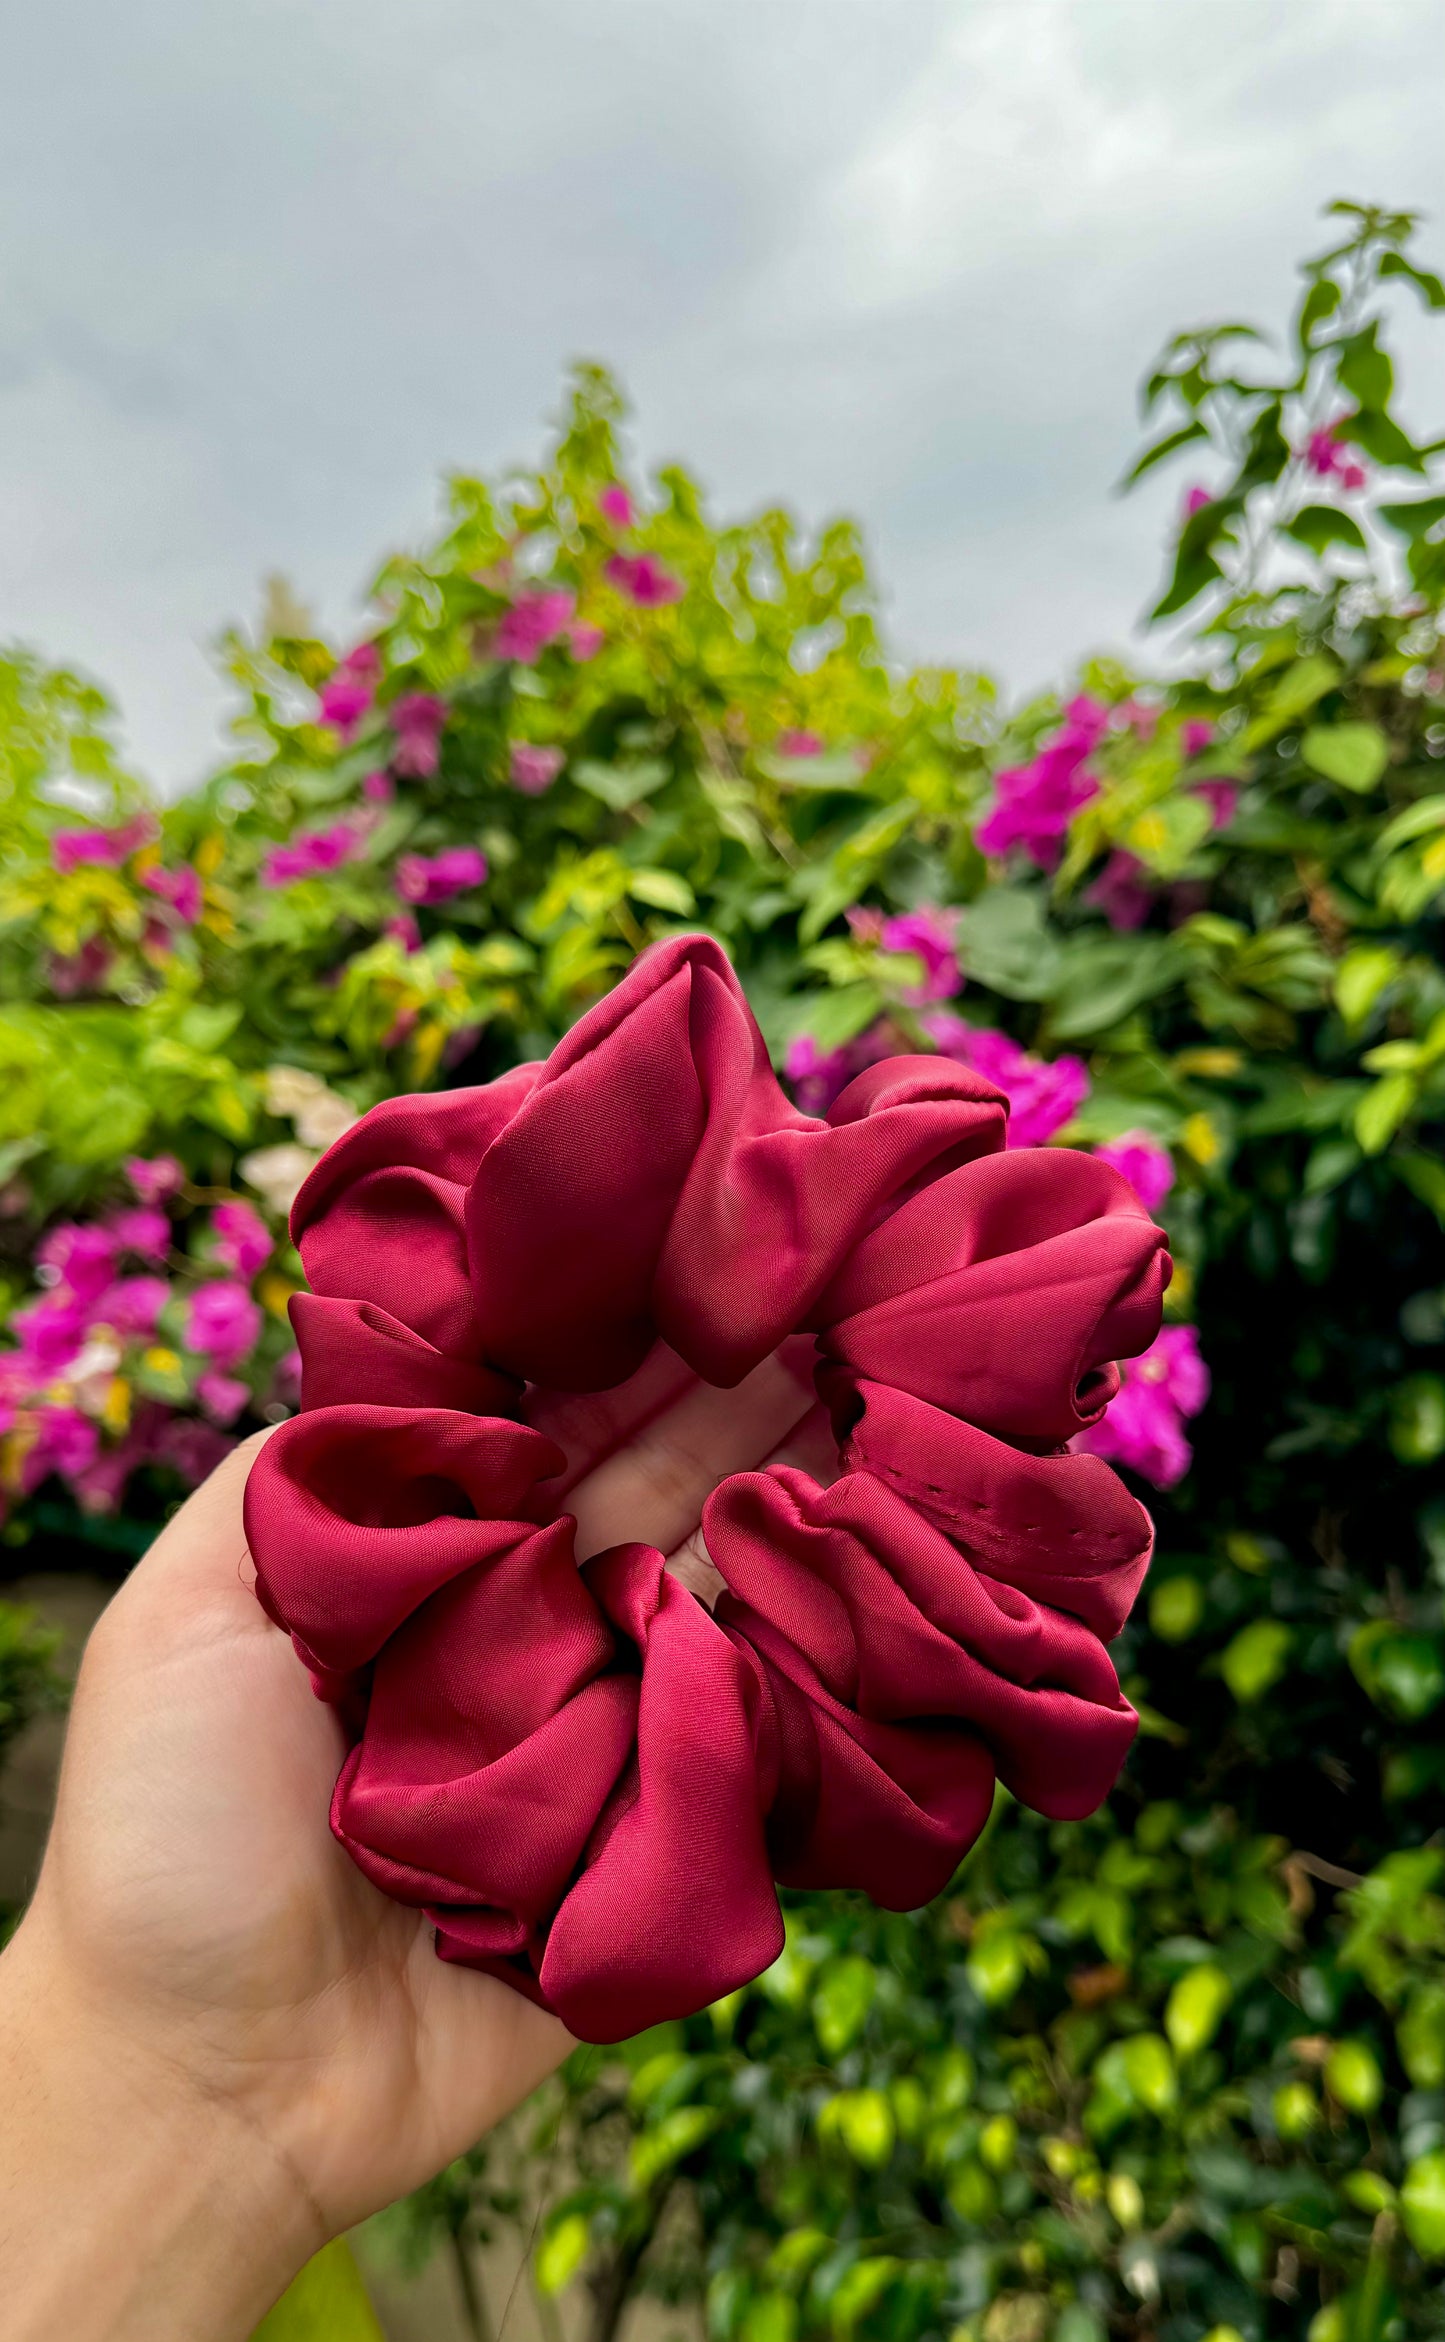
(268, 269)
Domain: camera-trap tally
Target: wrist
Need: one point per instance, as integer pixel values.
(135, 2201)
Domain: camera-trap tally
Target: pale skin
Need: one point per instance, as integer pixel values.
(219, 2044)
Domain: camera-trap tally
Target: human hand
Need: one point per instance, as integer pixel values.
(220, 2044)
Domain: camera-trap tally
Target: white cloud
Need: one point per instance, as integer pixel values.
(268, 270)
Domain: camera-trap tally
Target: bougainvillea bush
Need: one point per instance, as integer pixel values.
(1175, 2070)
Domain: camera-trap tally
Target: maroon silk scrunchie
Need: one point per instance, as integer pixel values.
(587, 1779)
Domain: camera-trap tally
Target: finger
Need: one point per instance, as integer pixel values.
(653, 1491)
(200, 1563)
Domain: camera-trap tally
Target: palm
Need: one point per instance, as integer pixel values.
(193, 1871)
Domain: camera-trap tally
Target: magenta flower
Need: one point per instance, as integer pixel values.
(348, 692)
(221, 1395)
(585, 642)
(817, 1075)
(1222, 798)
(404, 930)
(78, 1257)
(1195, 734)
(1122, 891)
(378, 788)
(142, 1229)
(417, 719)
(452, 872)
(801, 744)
(1325, 455)
(1143, 1425)
(534, 769)
(242, 1238)
(224, 1322)
(66, 1442)
(1043, 1093)
(191, 1449)
(928, 935)
(180, 888)
(69, 848)
(154, 1177)
(80, 971)
(615, 505)
(642, 577)
(534, 620)
(310, 854)
(1148, 1167)
(1196, 500)
(1034, 803)
(132, 1307)
(50, 1331)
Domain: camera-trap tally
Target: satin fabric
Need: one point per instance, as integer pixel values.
(592, 1783)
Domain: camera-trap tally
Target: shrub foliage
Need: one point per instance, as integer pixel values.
(1180, 2068)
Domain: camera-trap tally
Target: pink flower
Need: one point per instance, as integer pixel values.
(1139, 716)
(132, 1307)
(378, 788)
(1122, 891)
(817, 1075)
(310, 854)
(1325, 456)
(286, 1378)
(417, 719)
(100, 1485)
(1222, 798)
(80, 971)
(69, 848)
(154, 1177)
(224, 1322)
(143, 1229)
(585, 642)
(534, 769)
(1195, 734)
(615, 505)
(401, 1028)
(1043, 1093)
(50, 1331)
(349, 691)
(222, 1396)
(643, 579)
(79, 1257)
(1196, 500)
(1148, 1167)
(404, 930)
(1143, 1425)
(180, 888)
(1034, 803)
(243, 1240)
(534, 620)
(191, 1449)
(928, 936)
(801, 744)
(451, 872)
(66, 1443)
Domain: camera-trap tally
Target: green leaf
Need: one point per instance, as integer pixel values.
(1425, 281)
(621, 785)
(1318, 526)
(326, 2303)
(1381, 439)
(1004, 941)
(1363, 369)
(664, 890)
(1149, 2072)
(1422, 2204)
(1382, 1110)
(561, 2253)
(1414, 517)
(842, 2001)
(1424, 1175)
(1352, 755)
(1102, 981)
(1162, 448)
(1302, 683)
(1194, 2008)
(837, 769)
(1353, 2076)
(1417, 1419)
(1360, 978)
(1320, 302)
(678, 2134)
(1193, 572)
(1256, 1659)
